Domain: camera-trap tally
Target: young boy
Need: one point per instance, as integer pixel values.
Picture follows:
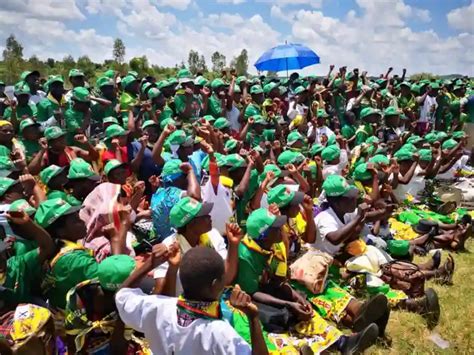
(192, 323)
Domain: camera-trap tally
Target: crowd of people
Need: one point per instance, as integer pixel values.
(239, 215)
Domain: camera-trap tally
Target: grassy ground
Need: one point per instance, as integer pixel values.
(409, 332)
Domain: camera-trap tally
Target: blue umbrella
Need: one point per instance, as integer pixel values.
(287, 57)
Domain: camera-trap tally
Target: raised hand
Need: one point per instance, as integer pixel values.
(234, 233)
(243, 302)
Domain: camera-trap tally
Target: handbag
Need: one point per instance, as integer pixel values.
(311, 270)
(404, 276)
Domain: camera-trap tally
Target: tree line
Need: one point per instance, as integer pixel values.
(14, 63)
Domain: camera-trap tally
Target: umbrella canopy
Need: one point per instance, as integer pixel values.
(287, 57)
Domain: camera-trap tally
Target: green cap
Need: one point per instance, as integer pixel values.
(234, 161)
(6, 165)
(283, 196)
(221, 123)
(380, 159)
(336, 186)
(184, 76)
(50, 172)
(80, 169)
(64, 196)
(449, 144)
(441, 136)
(269, 87)
(431, 137)
(459, 134)
(104, 81)
(391, 111)
(398, 247)
(51, 210)
(330, 153)
(259, 119)
(81, 94)
(405, 83)
(316, 149)
(75, 72)
(109, 73)
(201, 81)
(111, 165)
(22, 88)
(299, 90)
(237, 89)
(220, 160)
(127, 80)
(425, 154)
(410, 147)
(178, 137)
(270, 167)
(294, 137)
(53, 132)
(115, 130)
(256, 89)
(261, 220)
(403, 154)
(361, 173)
(322, 113)
(171, 167)
(110, 119)
(290, 157)
(27, 122)
(209, 118)
(149, 123)
(22, 205)
(241, 79)
(153, 93)
(187, 209)
(365, 112)
(163, 84)
(166, 122)
(133, 73)
(27, 73)
(114, 270)
(372, 140)
(230, 145)
(55, 79)
(5, 184)
(217, 83)
(414, 139)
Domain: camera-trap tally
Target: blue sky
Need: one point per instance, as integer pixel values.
(421, 35)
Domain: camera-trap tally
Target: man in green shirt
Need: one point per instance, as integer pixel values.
(368, 116)
(20, 274)
(188, 106)
(219, 101)
(77, 79)
(22, 107)
(129, 97)
(30, 134)
(254, 107)
(55, 178)
(106, 87)
(55, 103)
(77, 116)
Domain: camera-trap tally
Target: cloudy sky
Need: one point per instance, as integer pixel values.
(421, 35)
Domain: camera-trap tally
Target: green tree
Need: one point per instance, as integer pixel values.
(13, 49)
(119, 50)
(202, 67)
(218, 62)
(87, 66)
(140, 65)
(241, 63)
(423, 76)
(193, 61)
(50, 62)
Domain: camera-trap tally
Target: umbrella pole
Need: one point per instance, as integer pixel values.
(286, 60)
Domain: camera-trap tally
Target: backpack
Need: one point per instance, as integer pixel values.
(404, 276)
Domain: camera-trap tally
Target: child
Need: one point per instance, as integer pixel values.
(192, 323)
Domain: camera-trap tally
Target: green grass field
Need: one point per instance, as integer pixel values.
(409, 331)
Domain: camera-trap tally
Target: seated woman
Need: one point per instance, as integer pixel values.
(262, 274)
(445, 236)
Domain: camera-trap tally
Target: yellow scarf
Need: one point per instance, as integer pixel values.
(53, 100)
(278, 252)
(184, 246)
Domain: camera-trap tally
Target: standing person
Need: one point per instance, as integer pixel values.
(77, 79)
(22, 107)
(129, 98)
(188, 106)
(107, 91)
(219, 102)
(192, 323)
(428, 105)
(53, 106)
(78, 116)
(31, 78)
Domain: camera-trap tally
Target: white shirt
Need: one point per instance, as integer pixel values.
(222, 211)
(458, 165)
(415, 186)
(233, 117)
(156, 317)
(319, 132)
(426, 114)
(295, 109)
(37, 97)
(326, 222)
(217, 242)
(337, 168)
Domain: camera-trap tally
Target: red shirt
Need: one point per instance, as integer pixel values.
(110, 154)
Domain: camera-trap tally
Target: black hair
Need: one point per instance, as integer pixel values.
(199, 268)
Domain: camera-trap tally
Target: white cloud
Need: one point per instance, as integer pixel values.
(313, 3)
(48, 9)
(233, 2)
(462, 18)
(177, 4)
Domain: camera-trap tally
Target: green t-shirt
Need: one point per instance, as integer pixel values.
(251, 267)
(180, 106)
(340, 103)
(249, 193)
(31, 148)
(46, 108)
(22, 275)
(252, 110)
(215, 106)
(255, 139)
(28, 110)
(70, 269)
(348, 131)
(363, 132)
(99, 112)
(73, 121)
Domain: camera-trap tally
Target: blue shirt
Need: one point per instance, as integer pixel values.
(162, 202)
(148, 167)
